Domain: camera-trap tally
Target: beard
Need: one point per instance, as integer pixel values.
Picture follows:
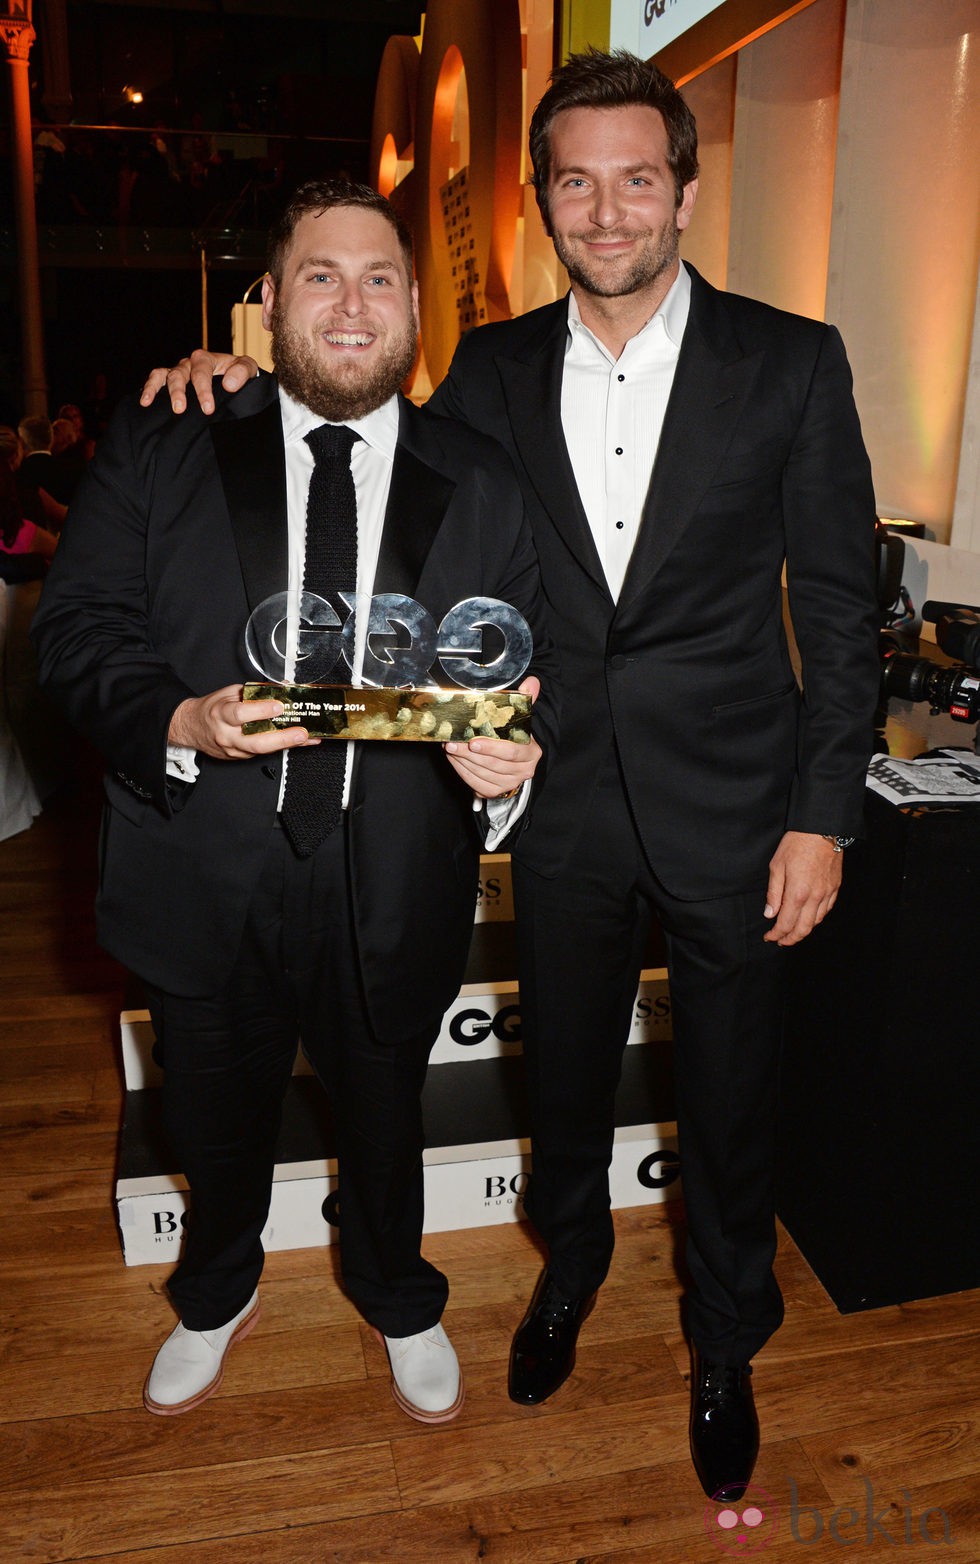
(599, 277)
(348, 389)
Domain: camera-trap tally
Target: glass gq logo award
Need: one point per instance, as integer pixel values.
(306, 656)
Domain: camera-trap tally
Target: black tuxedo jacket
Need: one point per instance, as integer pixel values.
(761, 460)
(177, 532)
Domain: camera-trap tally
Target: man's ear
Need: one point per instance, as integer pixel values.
(268, 301)
(415, 306)
(542, 201)
(686, 207)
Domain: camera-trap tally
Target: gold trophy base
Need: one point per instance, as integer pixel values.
(433, 716)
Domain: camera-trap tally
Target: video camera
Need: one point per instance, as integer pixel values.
(954, 689)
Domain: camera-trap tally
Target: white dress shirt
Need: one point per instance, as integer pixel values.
(371, 462)
(612, 413)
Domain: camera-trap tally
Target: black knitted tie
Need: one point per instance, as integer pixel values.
(311, 805)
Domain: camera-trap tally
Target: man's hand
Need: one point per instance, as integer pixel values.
(493, 767)
(200, 369)
(804, 878)
(212, 725)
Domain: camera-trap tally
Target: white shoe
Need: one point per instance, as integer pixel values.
(425, 1377)
(190, 1365)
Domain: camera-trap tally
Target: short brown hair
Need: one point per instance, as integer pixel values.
(35, 432)
(321, 195)
(594, 80)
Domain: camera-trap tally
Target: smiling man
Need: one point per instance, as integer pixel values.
(267, 887)
(678, 447)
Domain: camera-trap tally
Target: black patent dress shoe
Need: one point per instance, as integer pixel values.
(543, 1352)
(724, 1428)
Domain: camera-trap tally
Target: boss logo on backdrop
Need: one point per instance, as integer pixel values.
(168, 1224)
(498, 1189)
(652, 1007)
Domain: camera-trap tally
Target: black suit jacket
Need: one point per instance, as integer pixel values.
(177, 532)
(761, 459)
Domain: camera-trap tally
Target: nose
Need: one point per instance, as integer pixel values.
(350, 300)
(608, 207)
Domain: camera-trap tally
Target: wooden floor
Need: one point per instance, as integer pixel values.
(869, 1421)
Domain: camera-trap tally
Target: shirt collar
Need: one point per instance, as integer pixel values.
(378, 429)
(670, 315)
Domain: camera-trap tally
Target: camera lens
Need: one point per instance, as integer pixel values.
(907, 678)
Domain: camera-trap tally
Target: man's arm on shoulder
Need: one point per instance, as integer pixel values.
(199, 370)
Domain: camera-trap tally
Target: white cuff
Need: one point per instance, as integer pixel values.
(182, 763)
(503, 814)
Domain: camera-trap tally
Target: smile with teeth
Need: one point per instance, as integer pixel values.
(349, 339)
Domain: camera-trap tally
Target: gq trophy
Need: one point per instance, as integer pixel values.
(482, 645)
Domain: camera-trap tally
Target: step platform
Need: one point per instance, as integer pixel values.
(477, 1157)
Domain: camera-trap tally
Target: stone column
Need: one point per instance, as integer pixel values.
(18, 35)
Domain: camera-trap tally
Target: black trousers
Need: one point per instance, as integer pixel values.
(227, 1060)
(581, 938)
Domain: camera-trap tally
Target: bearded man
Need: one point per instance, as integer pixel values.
(267, 886)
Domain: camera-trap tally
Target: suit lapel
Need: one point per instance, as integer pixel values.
(252, 464)
(531, 383)
(713, 381)
(417, 501)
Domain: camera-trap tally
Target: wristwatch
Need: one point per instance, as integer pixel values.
(839, 842)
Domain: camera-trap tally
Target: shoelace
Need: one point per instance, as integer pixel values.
(720, 1379)
(554, 1308)
(427, 1335)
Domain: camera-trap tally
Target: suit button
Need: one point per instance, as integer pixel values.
(268, 771)
(618, 661)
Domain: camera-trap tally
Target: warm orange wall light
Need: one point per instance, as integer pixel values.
(471, 42)
(387, 166)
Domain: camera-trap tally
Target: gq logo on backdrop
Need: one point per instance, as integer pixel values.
(469, 1027)
(659, 1169)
